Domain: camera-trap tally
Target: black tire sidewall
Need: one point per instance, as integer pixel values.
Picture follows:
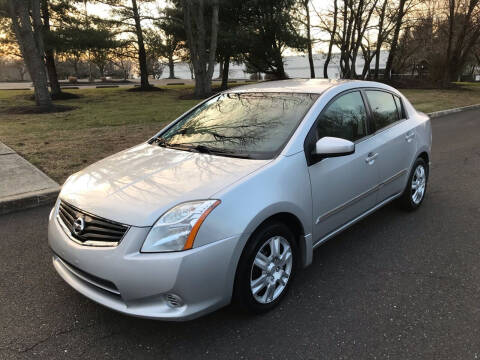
(242, 292)
(407, 196)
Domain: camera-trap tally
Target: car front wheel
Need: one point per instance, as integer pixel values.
(266, 268)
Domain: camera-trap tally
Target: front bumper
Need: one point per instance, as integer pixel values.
(135, 283)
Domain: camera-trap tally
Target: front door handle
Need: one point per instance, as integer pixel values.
(370, 159)
(409, 137)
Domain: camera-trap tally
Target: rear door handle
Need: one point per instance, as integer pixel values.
(409, 137)
(370, 159)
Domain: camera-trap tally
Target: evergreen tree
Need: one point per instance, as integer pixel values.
(271, 29)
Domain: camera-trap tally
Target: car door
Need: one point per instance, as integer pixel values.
(394, 133)
(342, 187)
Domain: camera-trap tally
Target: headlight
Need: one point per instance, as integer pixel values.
(177, 228)
(54, 211)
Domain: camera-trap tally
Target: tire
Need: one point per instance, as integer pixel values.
(411, 199)
(273, 274)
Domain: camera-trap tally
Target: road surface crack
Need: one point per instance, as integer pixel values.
(46, 339)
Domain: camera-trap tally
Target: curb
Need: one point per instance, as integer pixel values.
(436, 114)
(28, 200)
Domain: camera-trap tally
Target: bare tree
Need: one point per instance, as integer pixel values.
(347, 30)
(355, 20)
(463, 35)
(399, 17)
(142, 55)
(128, 16)
(21, 68)
(399, 20)
(333, 32)
(124, 59)
(195, 13)
(28, 27)
(306, 6)
(381, 35)
(368, 56)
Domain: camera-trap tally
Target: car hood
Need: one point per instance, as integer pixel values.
(138, 185)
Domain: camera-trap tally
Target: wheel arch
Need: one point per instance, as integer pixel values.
(288, 214)
(295, 224)
(424, 155)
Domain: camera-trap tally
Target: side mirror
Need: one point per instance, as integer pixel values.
(333, 147)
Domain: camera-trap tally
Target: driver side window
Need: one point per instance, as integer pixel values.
(344, 118)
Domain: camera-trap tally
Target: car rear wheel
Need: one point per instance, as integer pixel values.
(416, 188)
(266, 268)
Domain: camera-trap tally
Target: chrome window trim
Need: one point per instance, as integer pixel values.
(333, 99)
(369, 109)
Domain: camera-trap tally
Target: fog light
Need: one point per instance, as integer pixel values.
(173, 300)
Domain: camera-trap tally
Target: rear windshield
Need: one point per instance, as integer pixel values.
(255, 125)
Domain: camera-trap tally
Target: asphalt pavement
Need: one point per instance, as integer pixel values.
(395, 286)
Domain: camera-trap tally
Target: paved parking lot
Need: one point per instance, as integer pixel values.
(395, 286)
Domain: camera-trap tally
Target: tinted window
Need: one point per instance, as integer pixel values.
(256, 124)
(384, 109)
(345, 118)
(398, 102)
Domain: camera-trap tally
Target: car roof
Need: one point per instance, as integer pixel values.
(310, 86)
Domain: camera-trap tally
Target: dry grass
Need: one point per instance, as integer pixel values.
(106, 121)
(435, 100)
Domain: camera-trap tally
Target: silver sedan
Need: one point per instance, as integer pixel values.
(228, 202)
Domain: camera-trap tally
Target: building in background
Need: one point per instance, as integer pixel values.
(295, 67)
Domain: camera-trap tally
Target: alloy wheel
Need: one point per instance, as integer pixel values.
(419, 181)
(271, 270)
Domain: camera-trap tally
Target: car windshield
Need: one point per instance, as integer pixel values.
(253, 125)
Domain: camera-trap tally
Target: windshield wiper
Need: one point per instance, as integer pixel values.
(186, 147)
(161, 141)
(234, 155)
(221, 152)
(206, 150)
(164, 143)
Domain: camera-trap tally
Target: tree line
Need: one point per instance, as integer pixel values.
(434, 39)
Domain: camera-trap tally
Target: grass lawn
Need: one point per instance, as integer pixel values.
(435, 100)
(106, 121)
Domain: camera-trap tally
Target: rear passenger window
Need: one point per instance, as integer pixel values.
(384, 109)
(344, 118)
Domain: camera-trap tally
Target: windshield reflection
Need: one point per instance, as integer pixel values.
(257, 124)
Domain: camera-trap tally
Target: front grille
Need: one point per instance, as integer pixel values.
(92, 230)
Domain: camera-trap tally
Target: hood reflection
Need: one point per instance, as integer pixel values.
(137, 185)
